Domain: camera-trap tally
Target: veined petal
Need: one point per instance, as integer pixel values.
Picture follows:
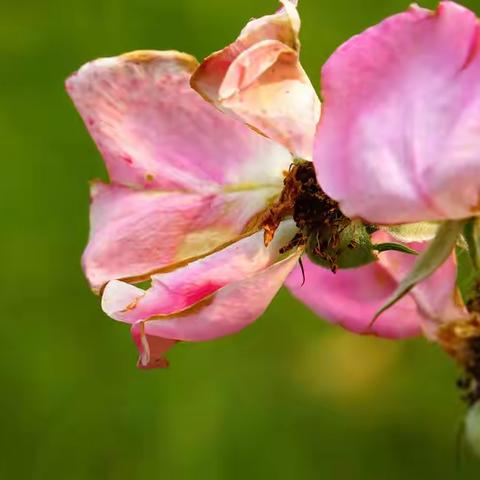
(351, 297)
(136, 232)
(399, 139)
(259, 79)
(154, 131)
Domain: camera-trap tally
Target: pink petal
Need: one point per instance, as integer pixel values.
(282, 26)
(437, 297)
(156, 134)
(259, 79)
(229, 310)
(154, 131)
(136, 232)
(152, 349)
(175, 291)
(399, 139)
(351, 297)
(212, 297)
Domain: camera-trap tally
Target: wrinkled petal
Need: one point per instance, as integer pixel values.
(211, 297)
(197, 177)
(259, 79)
(136, 232)
(399, 139)
(351, 297)
(154, 131)
(184, 287)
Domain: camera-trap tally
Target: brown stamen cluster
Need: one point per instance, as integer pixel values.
(312, 210)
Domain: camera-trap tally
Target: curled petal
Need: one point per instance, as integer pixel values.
(259, 79)
(137, 232)
(175, 291)
(399, 137)
(225, 312)
(228, 310)
(154, 131)
(212, 297)
(282, 26)
(351, 297)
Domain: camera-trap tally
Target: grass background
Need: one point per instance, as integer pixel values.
(289, 397)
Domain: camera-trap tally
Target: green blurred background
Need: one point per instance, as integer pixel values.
(290, 397)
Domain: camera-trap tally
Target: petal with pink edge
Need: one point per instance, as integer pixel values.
(399, 139)
(283, 26)
(212, 297)
(136, 232)
(259, 79)
(351, 297)
(154, 131)
(184, 287)
(152, 349)
(229, 310)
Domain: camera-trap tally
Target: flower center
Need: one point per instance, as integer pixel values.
(317, 216)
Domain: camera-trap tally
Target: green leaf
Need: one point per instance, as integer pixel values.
(398, 247)
(429, 260)
(471, 232)
(467, 275)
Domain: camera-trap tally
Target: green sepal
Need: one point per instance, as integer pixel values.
(471, 233)
(428, 261)
(413, 232)
(468, 277)
(397, 247)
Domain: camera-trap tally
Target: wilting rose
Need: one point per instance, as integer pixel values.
(191, 186)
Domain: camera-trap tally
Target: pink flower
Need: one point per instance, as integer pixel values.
(399, 142)
(191, 186)
(399, 139)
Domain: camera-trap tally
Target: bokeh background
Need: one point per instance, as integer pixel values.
(289, 397)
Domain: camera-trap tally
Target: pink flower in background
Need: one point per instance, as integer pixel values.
(399, 139)
(190, 184)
